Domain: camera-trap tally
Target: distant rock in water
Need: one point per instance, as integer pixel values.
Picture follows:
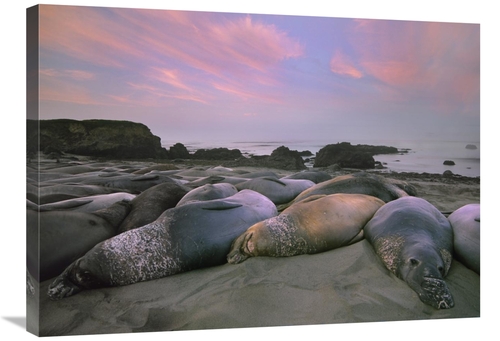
(306, 153)
(449, 163)
(217, 154)
(179, 151)
(281, 158)
(348, 156)
(98, 138)
(471, 146)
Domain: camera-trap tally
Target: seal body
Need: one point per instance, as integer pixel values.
(148, 205)
(415, 242)
(208, 192)
(60, 237)
(183, 238)
(314, 176)
(87, 204)
(356, 184)
(280, 191)
(317, 224)
(465, 222)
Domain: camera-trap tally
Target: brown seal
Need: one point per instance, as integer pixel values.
(317, 224)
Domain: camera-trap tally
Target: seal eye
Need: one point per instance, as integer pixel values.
(441, 270)
(414, 262)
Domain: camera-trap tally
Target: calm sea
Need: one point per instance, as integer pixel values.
(423, 156)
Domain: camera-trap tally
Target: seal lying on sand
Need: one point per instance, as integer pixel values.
(87, 204)
(280, 191)
(415, 242)
(355, 183)
(316, 224)
(208, 192)
(183, 238)
(60, 237)
(465, 222)
(148, 205)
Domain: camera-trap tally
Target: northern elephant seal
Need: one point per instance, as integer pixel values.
(355, 184)
(415, 242)
(465, 222)
(148, 205)
(280, 191)
(314, 176)
(57, 238)
(87, 204)
(208, 192)
(317, 224)
(183, 238)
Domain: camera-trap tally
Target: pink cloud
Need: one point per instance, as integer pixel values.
(171, 77)
(73, 74)
(341, 65)
(421, 60)
(188, 51)
(85, 34)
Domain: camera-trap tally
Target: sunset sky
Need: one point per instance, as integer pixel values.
(193, 75)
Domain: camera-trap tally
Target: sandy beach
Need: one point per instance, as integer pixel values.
(349, 284)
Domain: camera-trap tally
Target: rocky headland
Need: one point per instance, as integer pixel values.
(96, 138)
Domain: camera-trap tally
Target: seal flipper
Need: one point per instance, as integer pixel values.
(145, 177)
(220, 206)
(278, 181)
(62, 287)
(64, 205)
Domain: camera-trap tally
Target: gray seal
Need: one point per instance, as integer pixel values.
(151, 203)
(208, 192)
(415, 242)
(280, 191)
(355, 184)
(465, 222)
(57, 238)
(183, 238)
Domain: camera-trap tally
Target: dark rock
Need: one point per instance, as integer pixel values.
(449, 163)
(98, 138)
(280, 158)
(345, 155)
(447, 173)
(471, 146)
(217, 154)
(306, 153)
(179, 151)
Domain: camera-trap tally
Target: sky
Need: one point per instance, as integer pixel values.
(193, 75)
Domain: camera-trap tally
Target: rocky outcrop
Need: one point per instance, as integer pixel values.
(471, 146)
(449, 163)
(346, 155)
(98, 138)
(179, 151)
(281, 158)
(217, 154)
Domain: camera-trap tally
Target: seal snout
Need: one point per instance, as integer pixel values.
(240, 250)
(435, 292)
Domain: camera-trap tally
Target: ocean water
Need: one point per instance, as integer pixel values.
(422, 156)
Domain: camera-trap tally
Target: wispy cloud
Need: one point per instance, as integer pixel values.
(184, 50)
(72, 74)
(435, 62)
(341, 65)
